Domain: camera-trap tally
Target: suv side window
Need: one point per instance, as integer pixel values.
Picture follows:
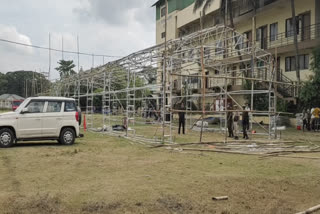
(35, 106)
(70, 106)
(54, 106)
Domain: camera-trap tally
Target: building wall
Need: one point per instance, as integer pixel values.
(279, 13)
(5, 104)
(272, 13)
(180, 14)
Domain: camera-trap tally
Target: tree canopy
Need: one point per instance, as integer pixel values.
(66, 68)
(310, 91)
(23, 83)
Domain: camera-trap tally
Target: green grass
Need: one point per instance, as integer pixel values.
(3, 110)
(103, 174)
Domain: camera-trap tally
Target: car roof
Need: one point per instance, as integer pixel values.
(52, 98)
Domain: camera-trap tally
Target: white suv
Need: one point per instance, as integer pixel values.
(41, 118)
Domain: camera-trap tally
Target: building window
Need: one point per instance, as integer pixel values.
(248, 36)
(206, 52)
(273, 31)
(163, 11)
(289, 27)
(258, 34)
(163, 34)
(219, 48)
(303, 62)
(245, 6)
(290, 63)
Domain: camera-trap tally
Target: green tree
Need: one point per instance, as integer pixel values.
(310, 91)
(149, 73)
(3, 84)
(23, 83)
(66, 68)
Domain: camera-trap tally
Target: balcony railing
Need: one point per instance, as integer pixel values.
(307, 33)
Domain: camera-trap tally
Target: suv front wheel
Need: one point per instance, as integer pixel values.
(67, 136)
(7, 138)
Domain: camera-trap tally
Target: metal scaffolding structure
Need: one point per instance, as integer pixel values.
(206, 70)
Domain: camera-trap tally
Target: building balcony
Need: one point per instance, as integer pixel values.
(308, 37)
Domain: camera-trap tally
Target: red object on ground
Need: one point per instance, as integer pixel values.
(84, 123)
(298, 127)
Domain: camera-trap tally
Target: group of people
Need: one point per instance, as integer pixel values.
(233, 118)
(311, 119)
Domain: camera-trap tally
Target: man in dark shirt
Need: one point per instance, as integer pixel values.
(230, 121)
(182, 119)
(245, 120)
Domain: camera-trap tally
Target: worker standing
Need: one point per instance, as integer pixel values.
(316, 113)
(182, 119)
(309, 120)
(305, 119)
(245, 120)
(230, 121)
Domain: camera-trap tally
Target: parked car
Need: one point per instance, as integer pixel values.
(41, 118)
(16, 104)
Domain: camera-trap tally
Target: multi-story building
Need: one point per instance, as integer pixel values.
(274, 29)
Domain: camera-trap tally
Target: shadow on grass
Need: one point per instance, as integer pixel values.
(38, 144)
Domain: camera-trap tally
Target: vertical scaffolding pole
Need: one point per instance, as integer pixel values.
(225, 105)
(127, 107)
(203, 91)
(103, 104)
(164, 79)
(78, 54)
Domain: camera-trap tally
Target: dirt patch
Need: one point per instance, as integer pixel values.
(100, 207)
(173, 204)
(36, 204)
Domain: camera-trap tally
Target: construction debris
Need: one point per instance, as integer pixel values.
(220, 198)
(310, 210)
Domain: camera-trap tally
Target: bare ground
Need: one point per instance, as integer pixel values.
(102, 174)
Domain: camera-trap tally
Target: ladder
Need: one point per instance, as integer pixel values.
(76, 93)
(106, 100)
(89, 109)
(130, 109)
(166, 108)
(272, 107)
(189, 103)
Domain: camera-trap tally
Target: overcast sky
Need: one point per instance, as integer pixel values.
(107, 27)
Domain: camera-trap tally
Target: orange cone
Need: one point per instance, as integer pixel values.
(84, 123)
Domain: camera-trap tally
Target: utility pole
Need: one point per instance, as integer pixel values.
(62, 48)
(49, 57)
(203, 79)
(78, 54)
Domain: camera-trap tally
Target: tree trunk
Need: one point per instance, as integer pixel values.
(294, 24)
(230, 12)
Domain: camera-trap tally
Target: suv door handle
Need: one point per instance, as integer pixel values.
(59, 118)
(38, 119)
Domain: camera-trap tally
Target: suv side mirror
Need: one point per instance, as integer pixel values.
(24, 110)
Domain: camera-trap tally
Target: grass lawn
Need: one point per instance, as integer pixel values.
(103, 174)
